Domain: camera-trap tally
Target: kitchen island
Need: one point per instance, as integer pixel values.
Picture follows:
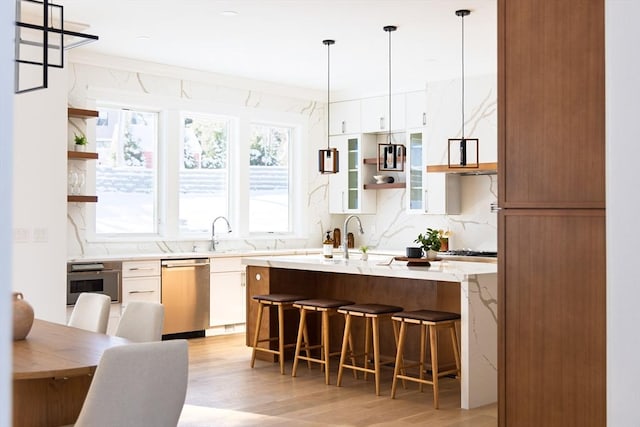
(468, 288)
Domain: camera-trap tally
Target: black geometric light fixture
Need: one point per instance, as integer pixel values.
(328, 159)
(390, 155)
(41, 39)
(463, 152)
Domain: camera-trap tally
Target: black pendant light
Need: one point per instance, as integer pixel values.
(328, 159)
(390, 155)
(467, 147)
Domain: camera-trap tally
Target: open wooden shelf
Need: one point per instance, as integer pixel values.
(373, 161)
(482, 168)
(82, 199)
(82, 155)
(81, 113)
(385, 186)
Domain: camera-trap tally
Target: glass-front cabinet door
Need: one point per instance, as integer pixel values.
(346, 188)
(429, 193)
(416, 185)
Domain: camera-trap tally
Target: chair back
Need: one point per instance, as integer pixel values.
(139, 384)
(141, 321)
(91, 312)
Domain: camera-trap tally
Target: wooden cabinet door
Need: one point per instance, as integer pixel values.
(551, 229)
(552, 313)
(257, 283)
(551, 103)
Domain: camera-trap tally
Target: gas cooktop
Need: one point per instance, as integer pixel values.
(469, 252)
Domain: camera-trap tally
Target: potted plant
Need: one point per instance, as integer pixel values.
(430, 242)
(80, 142)
(365, 255)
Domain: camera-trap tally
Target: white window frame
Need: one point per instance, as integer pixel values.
(170, 110)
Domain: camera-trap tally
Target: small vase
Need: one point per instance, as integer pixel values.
(22, 317)
(431, 254)
(364, 256)
(81, 147)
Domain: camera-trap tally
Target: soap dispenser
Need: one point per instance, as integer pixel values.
(327, 246)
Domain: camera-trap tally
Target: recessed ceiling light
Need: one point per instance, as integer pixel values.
(143, 38)
(229, 13)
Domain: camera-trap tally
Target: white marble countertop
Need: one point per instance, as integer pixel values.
(179, 255)
(377, 265)
(316, 252)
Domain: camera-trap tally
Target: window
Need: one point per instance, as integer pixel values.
(269, 193)
(126, 173)
(165, 172)
(204, 171)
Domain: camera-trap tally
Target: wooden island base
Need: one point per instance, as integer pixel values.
(411, 294)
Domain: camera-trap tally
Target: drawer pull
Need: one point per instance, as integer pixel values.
(141, 292)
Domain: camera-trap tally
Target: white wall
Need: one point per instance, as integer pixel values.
(7, 14)
(39, 197)
(623, 205)
(390, 228)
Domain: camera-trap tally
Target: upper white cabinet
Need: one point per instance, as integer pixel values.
(375, 113)
(344, 117)
(346, 188)
(415, 109)
(430, 193)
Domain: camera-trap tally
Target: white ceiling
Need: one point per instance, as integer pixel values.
(280, 41)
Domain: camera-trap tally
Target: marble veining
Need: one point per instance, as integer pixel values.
(391, 228)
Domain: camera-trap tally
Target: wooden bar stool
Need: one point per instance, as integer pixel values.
(283, 302)
(372, 313)
(433, 320)
(327, 307)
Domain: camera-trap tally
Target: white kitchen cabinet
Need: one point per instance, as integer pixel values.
(415, 109)
(346, 188)
(375, 113)
(430, 193)
(227, 292)
(344, 117)
(140, 281)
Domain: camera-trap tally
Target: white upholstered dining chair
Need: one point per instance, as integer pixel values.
(91, 312)
(139, 384)
(141, 321)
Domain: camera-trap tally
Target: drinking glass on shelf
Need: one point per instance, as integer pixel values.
(81, 180)
(73, 182)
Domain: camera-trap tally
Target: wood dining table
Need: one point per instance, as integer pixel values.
(52, 372)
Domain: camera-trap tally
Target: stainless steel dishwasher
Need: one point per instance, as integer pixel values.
(185, 296)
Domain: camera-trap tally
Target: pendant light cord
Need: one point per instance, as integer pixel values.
(390, 87)
(328, 92)
(462, 17)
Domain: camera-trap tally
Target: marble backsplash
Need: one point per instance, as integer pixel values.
(390, 228)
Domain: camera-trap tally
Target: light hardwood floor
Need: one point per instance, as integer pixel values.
(225, 391)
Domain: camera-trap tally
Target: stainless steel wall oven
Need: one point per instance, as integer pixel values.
(96, 277)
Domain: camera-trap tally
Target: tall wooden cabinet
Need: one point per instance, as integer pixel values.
(551, 177)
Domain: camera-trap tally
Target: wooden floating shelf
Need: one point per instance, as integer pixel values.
(482, 168)
(82, 155)
(81, 113)
(385, 186)
(370, 161)
(82, 199)
(373, 161)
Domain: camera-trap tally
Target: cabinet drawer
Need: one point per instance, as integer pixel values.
(140, 268)
(226, 264)
(140, 289)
